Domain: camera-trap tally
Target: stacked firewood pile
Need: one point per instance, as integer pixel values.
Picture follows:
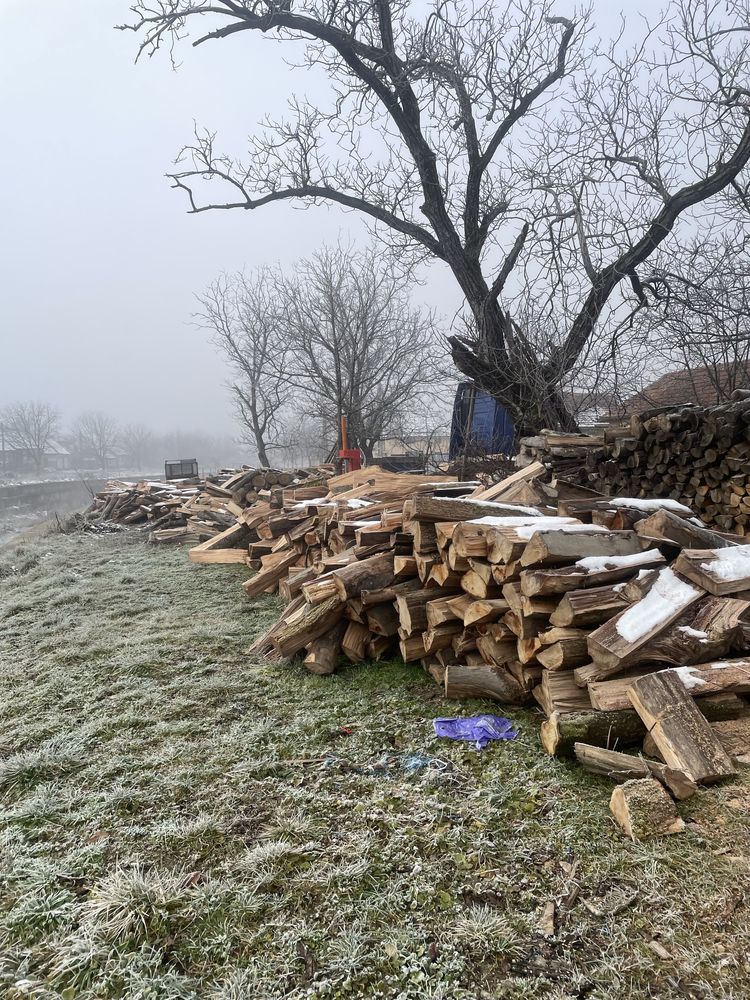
(626, 620)
(190, 511)
(698, 455)
(623, 619)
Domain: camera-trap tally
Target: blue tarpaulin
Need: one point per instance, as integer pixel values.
(480, 424)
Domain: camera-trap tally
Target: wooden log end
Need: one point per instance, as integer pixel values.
(644, 809)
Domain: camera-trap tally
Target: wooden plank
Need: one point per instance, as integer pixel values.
(682, 734)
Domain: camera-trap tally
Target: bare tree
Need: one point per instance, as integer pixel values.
(30, 426)
(702, 324)
(357, 346)
(502, 141)
(138, 443)
(242, 314)
(97, 433)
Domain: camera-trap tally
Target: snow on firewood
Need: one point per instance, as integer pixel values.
(496, 505)
(595, 564)
(650, 505)
(528, 530)
(729, 564)
(520, 520)
(666, 598)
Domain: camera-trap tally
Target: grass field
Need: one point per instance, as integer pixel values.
(179, 821)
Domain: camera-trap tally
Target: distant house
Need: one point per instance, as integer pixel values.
(56, 457)
(704, 386)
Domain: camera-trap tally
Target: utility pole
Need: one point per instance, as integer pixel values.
(2, 442)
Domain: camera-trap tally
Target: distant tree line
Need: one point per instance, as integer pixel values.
(34, 438)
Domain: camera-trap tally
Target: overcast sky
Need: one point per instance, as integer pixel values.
(99, 260)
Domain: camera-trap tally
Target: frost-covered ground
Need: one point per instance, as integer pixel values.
(178, 821)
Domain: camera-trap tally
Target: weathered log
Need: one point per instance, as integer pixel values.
(643, 809)
(618, 643)
(374, 573)
(562, 730)
(589, 607)
(306, 625)
(621, 767)
(682, 734)
(554, 548)
(485, 681)
(323, 653)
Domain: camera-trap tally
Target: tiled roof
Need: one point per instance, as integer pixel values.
(704, 386)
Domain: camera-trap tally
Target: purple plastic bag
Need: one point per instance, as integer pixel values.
(480, 730)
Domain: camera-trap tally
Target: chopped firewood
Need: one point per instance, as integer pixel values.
(589, 607)
(427, 508)
(643, 809)
(270, 575)
(481, 611)
(566, 650)
(439, 611)
(700, 679)
(622, 767)
(587, 572)
(412, 609)
(558, 692)
(556, 547)
(382, 619)
(485, 681)
(617, 643)
(663, 525)
(562, 730)
(312, 621)
(354, 642)
(719, 571)
(682, 734)
(438, 637)
(323, 653)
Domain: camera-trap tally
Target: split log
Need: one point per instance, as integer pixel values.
(323, 653)
(700, 679)
(485, 681)
(382, 619)
(428, 508)
(591, 573)
(664, 526)
(307, 624)
(567, 649)
(354, 642)
(561, 731)
(367, 574)
(719, 571)
(558, 692)
(643, 809)
(270, 575)
(480, 612)
(553, 548)
(621, 767)
(588, 607)
(618, 643)
(682, 734)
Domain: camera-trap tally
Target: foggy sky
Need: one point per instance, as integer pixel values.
(99, 261)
